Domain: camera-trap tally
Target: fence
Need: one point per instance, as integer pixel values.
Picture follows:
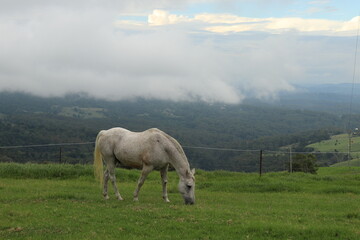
(206, 158)
(49, 153)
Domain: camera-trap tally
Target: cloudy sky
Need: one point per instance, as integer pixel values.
(209, 50)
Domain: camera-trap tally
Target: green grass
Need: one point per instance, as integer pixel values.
(340, 143)
(337, 143)
(350, 163)
(64, 202)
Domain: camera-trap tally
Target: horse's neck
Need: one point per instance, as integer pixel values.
(181, 167)
(178, 158)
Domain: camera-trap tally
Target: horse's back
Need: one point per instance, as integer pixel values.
(133, 149)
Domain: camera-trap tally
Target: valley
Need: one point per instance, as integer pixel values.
(26, 120)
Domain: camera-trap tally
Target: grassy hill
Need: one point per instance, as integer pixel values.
(337, 143)
(340, 143)
(64, 202)
(350, 163)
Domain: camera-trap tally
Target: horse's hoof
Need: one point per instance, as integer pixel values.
(106, 197)
(136, 199)
(120, 198)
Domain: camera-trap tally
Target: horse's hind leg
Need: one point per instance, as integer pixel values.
(144, 173)
(163, 173)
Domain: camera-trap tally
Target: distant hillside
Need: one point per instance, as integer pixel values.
(26, 119)
(219, 124)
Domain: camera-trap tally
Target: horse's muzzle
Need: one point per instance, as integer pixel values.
(189, 201)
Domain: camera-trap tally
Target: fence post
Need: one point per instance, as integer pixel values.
(290, 159)
(60, 153)
(260, 163)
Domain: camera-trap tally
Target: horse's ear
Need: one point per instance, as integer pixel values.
(190, 173)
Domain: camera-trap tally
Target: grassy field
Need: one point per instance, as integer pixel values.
(64, 202)
(337, 143)
(350, 163)
(82, 112)
(340, 143)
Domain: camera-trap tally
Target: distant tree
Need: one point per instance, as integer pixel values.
(304, 163)
(4, 158)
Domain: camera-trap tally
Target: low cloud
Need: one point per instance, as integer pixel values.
(56, 49)
(52, 55)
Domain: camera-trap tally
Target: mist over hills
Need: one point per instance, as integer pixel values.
(333, 98)
(308, 108)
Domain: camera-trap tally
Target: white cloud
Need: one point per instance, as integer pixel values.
(60, 48)
(50, 54)
(160, 17)
(228, 23)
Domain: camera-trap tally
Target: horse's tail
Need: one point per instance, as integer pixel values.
(98, 163)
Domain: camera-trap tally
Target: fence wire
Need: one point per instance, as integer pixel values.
(207, 158)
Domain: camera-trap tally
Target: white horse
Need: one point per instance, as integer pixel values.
(148, 150)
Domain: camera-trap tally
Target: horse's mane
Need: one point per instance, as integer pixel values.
(176, 144)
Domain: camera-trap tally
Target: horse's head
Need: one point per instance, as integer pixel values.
(187, 187)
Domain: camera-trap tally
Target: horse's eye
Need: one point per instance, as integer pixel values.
(188, 187)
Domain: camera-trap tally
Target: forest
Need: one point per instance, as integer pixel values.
(77, 118)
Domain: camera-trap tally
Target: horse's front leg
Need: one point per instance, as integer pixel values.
(105, 187)
(113, 181)
(144, 173)
(163, 173)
